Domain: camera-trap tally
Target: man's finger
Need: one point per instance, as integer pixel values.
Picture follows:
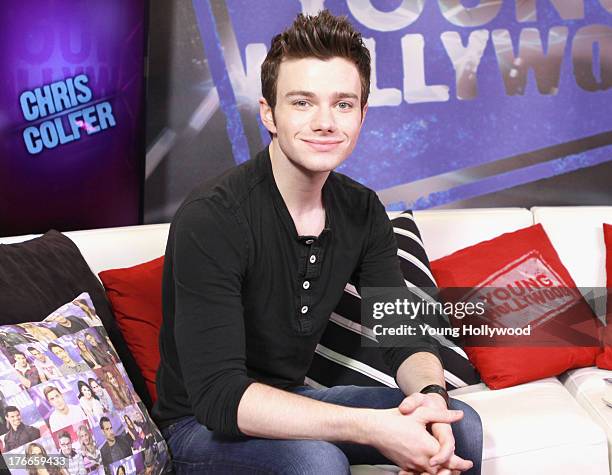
(432, 415)
(444, 434)
(411, 402)
(457, 463)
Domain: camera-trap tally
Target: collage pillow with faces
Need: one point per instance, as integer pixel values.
(66, 398)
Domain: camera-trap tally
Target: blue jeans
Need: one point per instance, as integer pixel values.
(195, 449)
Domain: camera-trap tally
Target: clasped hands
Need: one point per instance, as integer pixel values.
(427, 445)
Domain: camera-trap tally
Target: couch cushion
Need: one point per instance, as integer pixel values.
(530, 429)
(587, 386)
(502, 272)
(445, 231)
(416, 269)
(41, 274)
(342, 359)
(135, 295)
(604, 359)
(121, 247)
(575, 231)
(537, 428)
(63, 376)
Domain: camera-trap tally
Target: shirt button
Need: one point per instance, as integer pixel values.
(309, 241)
(304, 309)
(313, 259)
(306, 285)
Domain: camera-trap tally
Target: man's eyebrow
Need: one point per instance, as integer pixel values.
(347, 95)
(337, 95)
(300, 93)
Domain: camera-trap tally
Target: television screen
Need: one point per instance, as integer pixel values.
(71, 114)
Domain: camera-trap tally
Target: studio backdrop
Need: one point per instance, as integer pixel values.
(473, 103)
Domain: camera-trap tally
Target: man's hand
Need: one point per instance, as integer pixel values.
(445, 458)
(443, 471)
(404, 439)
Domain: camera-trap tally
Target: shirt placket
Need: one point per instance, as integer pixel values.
(311, 256)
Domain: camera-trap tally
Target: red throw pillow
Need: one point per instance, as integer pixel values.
(514, 271)
(604, 359)
(135, 295)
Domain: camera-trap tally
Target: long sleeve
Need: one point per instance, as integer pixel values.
(379, 267)
(209, 258)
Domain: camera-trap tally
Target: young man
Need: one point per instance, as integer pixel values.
(74, 461)
(18, 433)
(116, 447)
(257, 260)
(29, 375)
(46, 367)
(63, 414)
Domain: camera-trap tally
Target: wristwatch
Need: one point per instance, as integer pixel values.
(437, 389)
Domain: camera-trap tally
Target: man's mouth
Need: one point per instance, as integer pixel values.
(322, 145)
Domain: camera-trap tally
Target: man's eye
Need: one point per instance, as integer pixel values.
(301, 103)
(345, 105)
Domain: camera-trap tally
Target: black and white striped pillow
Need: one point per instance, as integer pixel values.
(340, 359)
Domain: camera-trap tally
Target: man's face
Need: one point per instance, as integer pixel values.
(65, 445)
(56, 399)
(14, 419)
(61, 354)
(37, 354)
(20, 360)
(90, 339)
(318, 116)
(107, 429)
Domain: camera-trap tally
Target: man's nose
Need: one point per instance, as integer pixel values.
(323, 119)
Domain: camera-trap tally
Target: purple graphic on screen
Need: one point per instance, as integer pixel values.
(71, 95)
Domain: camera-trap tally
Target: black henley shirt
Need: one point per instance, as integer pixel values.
(246, 299)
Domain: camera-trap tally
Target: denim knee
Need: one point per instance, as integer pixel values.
(317, 457)
(468, 435)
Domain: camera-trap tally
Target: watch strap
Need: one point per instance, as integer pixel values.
(436, 389)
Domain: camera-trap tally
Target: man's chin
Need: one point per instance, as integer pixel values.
(323, 162)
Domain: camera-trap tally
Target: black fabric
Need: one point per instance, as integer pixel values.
(341, 359)
(40, 275)
(234, 289)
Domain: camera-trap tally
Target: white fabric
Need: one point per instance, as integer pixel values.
(587, 386)
(539, 422)
(446, 231)
(577, 236)
(58, 421)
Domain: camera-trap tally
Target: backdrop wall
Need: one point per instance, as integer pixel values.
(490, 103)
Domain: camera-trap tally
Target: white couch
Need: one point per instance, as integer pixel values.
(556, 425)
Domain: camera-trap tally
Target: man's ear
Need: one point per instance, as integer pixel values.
(363, 114)
(266, 115)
